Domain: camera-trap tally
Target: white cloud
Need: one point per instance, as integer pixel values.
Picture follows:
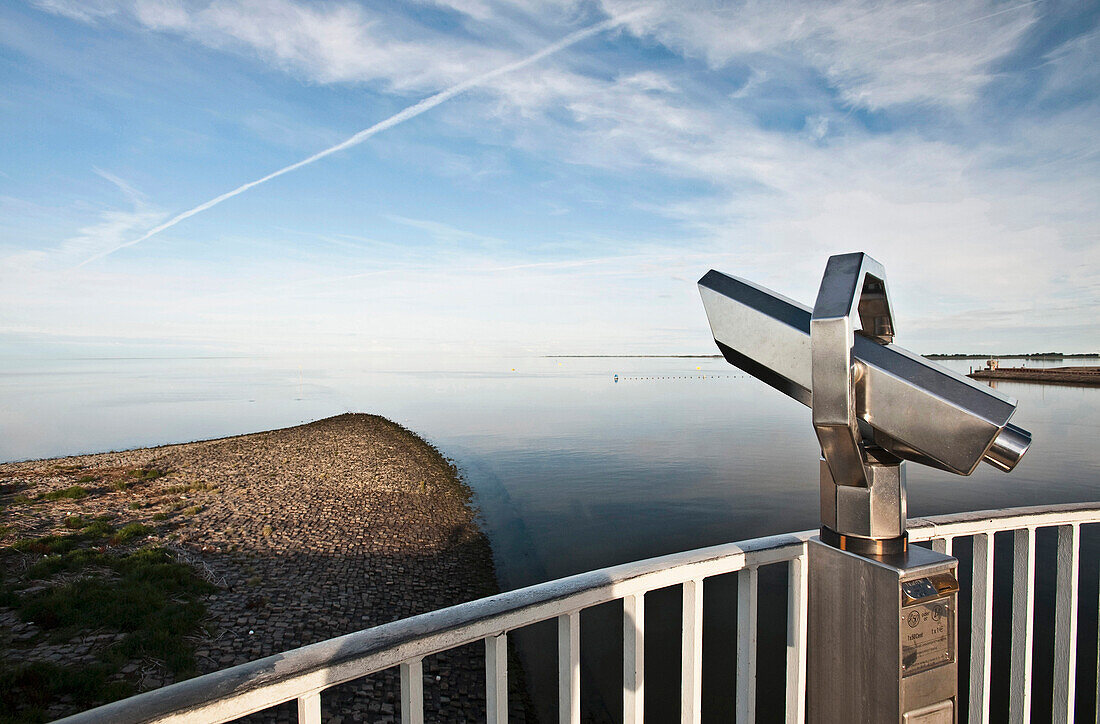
(84, 10)
(1072, 68)
(980, 222)
(112, 227)
(877, 54)
(324, 42)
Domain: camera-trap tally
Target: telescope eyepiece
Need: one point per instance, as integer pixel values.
(1008, 447)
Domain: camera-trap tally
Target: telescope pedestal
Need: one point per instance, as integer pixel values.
(866, 519)
(882, 637)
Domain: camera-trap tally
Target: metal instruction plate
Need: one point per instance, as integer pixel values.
(926, 635)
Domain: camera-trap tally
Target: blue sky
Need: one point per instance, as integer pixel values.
(561, 205)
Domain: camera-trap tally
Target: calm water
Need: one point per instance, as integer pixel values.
(572, 469)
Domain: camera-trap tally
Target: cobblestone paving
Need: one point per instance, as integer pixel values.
(309, 532)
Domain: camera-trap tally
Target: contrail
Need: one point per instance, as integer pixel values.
(400, 117)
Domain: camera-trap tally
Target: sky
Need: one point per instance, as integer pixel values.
(270, 177)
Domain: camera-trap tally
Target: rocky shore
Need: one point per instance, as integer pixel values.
(304, 533)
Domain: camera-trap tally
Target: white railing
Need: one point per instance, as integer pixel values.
(302, 674)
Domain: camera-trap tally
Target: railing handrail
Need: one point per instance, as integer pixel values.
(239, 690)
(989, 521)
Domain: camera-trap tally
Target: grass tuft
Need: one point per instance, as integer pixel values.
(46, 545)
(146, 474)
(97, 529)
(129, 532)
(74, 492)
(76, 522)
(188, 488)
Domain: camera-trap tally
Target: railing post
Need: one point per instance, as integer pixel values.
(796, 640)
(981, 627)
(634, 658)
(691, 662)
(412, 692)
(569, 668)
(1065, 624)
(1023, 616)
(496, 678)
(309, 708)
(746, 645)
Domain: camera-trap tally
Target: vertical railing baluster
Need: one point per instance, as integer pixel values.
(943, 545)
(797, 597)
(309, 708)
(634, 659)
(746, 645)
(496, 678)
(691, 661)
(1065, 624)
(412, 692)
(1023, 616)
(569, 668)
(981, 627)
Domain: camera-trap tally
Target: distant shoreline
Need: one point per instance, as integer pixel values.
(1038, 356)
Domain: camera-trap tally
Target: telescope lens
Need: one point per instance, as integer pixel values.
(1007, 449)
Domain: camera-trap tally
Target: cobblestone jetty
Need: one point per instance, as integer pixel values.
(307, 532)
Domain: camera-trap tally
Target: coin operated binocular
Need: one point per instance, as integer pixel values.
(882, 624)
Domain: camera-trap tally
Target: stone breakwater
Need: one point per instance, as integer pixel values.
(1086, 376)
(308, 533)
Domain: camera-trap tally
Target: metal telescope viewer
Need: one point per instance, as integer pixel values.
(874, 404)
(882, 623)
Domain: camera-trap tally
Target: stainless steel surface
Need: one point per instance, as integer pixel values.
(875, 511)
(1008, 448)
(942, 713)
(860, 637)
(853, 283)
(917, 409)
